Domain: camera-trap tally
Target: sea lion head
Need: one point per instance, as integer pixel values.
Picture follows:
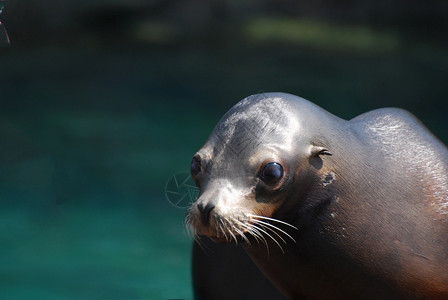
(260, 156)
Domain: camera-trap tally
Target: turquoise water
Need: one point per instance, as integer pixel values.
(100, 253)
(83, 210)
(91, 134)
(84, 164)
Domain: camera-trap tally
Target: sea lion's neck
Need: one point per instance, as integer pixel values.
(316, 272)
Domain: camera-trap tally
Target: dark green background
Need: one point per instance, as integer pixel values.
(102, 102)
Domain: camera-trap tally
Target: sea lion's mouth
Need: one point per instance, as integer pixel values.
(255, 229)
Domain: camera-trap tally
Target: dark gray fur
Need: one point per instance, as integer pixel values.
(372, 218)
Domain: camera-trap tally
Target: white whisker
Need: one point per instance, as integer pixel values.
(234, 237)
(251, 231)
(275, 227)
(272, 230)
(241, 233)
(272, 219)
(223, 226)
(197, 239)
(188, 229)
(265, 232)
(257, 233)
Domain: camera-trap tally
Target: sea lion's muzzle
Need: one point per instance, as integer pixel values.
(220, 209)
(214, 193)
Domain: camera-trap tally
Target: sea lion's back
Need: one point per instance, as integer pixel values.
(403, 139)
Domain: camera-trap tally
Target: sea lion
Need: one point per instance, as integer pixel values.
(326, 208)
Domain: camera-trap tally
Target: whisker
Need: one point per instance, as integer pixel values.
(218, 230)
(187, 227)
(255, 232)
(192, 232)
(223, 229)
(197, 239)
(275, 227)
(234, 237)
(272, 219)
(188, 231)
(272, 230)
(260, 234)
(251, 232)
(241, 233)
(265, 232)
(216, 226)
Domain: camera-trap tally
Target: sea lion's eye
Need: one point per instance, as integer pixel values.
(272, 173)
(195, 166)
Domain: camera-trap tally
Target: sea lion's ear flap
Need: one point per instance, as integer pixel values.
(317, 150)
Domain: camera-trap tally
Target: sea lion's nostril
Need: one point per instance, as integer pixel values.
(205, 212)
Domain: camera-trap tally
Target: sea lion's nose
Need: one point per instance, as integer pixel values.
(205, 212)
